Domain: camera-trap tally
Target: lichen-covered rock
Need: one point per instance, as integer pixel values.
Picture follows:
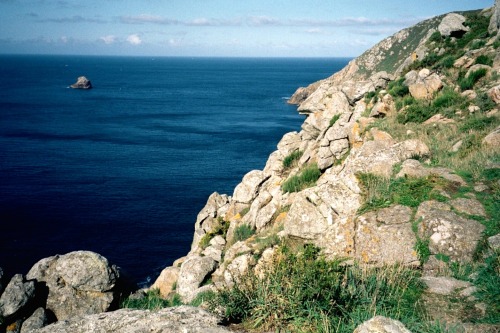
(452, 25)
(79, 283)
(169, 320)
(37, 320)
(165, 282)
(413, 168)
(191, 275)
(495, 18)
(248, 189)
(494, 93)
(468, 206)
(442, 285)
(16, 296)
(448, 233)
(386, 237)
(381, 324)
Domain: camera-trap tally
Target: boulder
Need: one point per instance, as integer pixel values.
(82, 83)
(383, 107)
(452, 25)
(424, 84)
(79, 283)
(386, 237)
(16, 296)
(37, 320)
(248, 189)
(442, 285)
(448, 233)
(166, 281)
(492, 139)
(168, 320)
(494, 94)
(381, 324)
(192, 274)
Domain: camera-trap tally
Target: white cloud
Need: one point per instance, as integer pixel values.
(109, 39)
(134, 39)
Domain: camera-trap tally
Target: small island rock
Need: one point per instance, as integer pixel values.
(82, 83)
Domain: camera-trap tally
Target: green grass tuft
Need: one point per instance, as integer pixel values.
(469, 81)
(243, 232)
(150, 301)
(334, 119)
(306, 178)
(292, 158)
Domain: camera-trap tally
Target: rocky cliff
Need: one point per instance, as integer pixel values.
(396, 165)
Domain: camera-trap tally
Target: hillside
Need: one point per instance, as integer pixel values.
(380, 215)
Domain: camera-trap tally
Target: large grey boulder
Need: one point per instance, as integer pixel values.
(452, 24)
(37, 320)
(82, 83)
(79, 283)
(193, 272)
(16, 296)
(169, 320)
(381, 324)
(448, 233)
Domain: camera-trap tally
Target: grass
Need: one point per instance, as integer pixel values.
(380, 192)
(334, 120)
(417, 112)
(291, 160)
(151, 301)
(306, 178)
(468, 82)
(398, 88)
(302, 292)
(243, 232)
(484, 60)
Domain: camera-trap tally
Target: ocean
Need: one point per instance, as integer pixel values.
(123, 169)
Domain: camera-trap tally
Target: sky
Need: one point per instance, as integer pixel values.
(240, 28)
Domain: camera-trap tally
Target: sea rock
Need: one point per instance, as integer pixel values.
(16, 296)
(82, 83)
(380, 324)
(79, 283)
(449, 233)
(165, 282)
(424, 84)
(168, 320)
(452, 25)
(191, 275)
(37, 320)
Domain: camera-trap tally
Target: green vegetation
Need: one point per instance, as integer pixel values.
(304, 292)
(398, 88)
(243, 232)
(306, 178)
(470, 80)
(334, 119)
(290, 160)
(477, 123)
(488, 284)
(484, 60)
(220, 229)
(151, 301)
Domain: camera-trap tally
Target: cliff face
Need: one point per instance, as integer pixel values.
(375, 173)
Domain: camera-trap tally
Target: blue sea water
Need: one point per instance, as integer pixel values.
(124, 168)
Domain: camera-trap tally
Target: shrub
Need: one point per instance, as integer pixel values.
(446, 62)
(469, 81)
(416, 113)
(435, 37)
(306, 178)
(289, 160)
(398, 88)
(476, 123)
(303, 292)
(447, 97)
(484, 102)
(477, 44)
(484, 60)
(243, 232)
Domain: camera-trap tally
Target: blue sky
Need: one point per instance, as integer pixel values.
(260, 28)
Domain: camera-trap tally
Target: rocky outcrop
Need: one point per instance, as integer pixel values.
(78, 283)
(170, 320)
(82, 83)
(452, 25)
(495, 18)
(191, 275)
(380, 324)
